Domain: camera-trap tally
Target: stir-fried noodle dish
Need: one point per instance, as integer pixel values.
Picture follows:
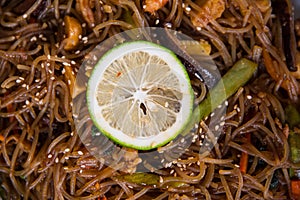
(43, 45)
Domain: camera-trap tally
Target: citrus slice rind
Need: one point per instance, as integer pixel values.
(139, 95)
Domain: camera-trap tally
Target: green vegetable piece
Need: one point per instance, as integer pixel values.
(140, 178)
(235, 78)
(294, 141)
(127, 16)
(148, 179)
(293, 116)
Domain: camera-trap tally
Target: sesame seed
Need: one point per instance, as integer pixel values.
(83, 25)
(183, 5)
(69, 82)
(157, 21)
(202, 136)
(79, 37)
(219, 106)
(212, 114)
(217, 127)
(63, 71)
(82, 166)
(49, 155)
(80, 152)
(73, 62)
(168, 25)
(72, 133)
(172, 171)
(235, 106)
(41, 102)
(56, 160)
(188, 9)
(182, 140)
(238, 109)
(42, 65)
(80, 171)
(236, 165)
(26, 102)
(77, 52)
(95, 58)
(85, 38)
(144, 6)
(130, 186)
(50, 71)
(18, 81)
(162, 160)
(166, 104)
(226, 103)
(67, 150)
(25, 16)
(48, 64)
(27, 87)
(66, 64)
(222, 123)
(67, 158)
(65, 168)
(198, 28)
(49, 57)
(161, 179)
(33, 39)
(38, 86)
(44, 38)
(21, 78)
(249, 97)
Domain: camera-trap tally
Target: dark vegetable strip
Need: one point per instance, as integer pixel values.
(283, 8)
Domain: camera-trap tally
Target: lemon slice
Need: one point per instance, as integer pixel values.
(139, 95)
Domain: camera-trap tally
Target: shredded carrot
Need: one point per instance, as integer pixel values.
(244, 157)
(295, 186)
(2, 138)
(10, 109)
(97, 186)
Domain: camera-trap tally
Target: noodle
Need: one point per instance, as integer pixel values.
(42, 155)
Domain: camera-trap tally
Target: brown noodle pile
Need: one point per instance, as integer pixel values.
(41, 155)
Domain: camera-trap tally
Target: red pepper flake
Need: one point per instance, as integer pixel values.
(118, 74)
